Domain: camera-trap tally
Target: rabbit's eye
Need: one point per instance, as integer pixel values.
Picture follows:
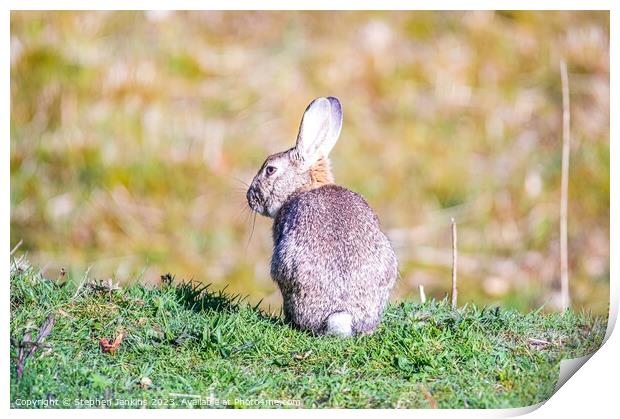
(270, 170)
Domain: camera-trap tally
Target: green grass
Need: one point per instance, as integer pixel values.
(192, 341)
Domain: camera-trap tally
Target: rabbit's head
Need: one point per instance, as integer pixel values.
(304, 166)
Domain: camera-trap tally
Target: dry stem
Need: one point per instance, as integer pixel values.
(454, 264)
(565, 296)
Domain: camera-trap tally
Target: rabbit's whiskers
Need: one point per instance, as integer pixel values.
(251, 232)
(243, 182)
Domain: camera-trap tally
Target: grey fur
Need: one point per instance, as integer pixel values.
(330, 255)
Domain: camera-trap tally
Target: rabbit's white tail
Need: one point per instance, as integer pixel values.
(339, 324)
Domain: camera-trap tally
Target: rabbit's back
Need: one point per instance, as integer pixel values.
(331, 256)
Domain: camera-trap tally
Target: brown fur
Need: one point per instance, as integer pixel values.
(320, 174)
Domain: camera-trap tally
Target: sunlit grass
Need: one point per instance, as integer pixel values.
(184, 344)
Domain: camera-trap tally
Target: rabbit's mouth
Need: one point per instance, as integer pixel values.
(255, 202)
(260, 205)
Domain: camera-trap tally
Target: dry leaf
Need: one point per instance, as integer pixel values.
(146, 382)
(110, 285)
(106, 346)
(32, 346)
(303, 356)
(538, 342)
(429, 398)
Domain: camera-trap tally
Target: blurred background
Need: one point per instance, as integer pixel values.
(132, 134)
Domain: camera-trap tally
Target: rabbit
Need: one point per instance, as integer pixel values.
(331, 261)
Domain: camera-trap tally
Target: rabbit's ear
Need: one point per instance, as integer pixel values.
(319, 129)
